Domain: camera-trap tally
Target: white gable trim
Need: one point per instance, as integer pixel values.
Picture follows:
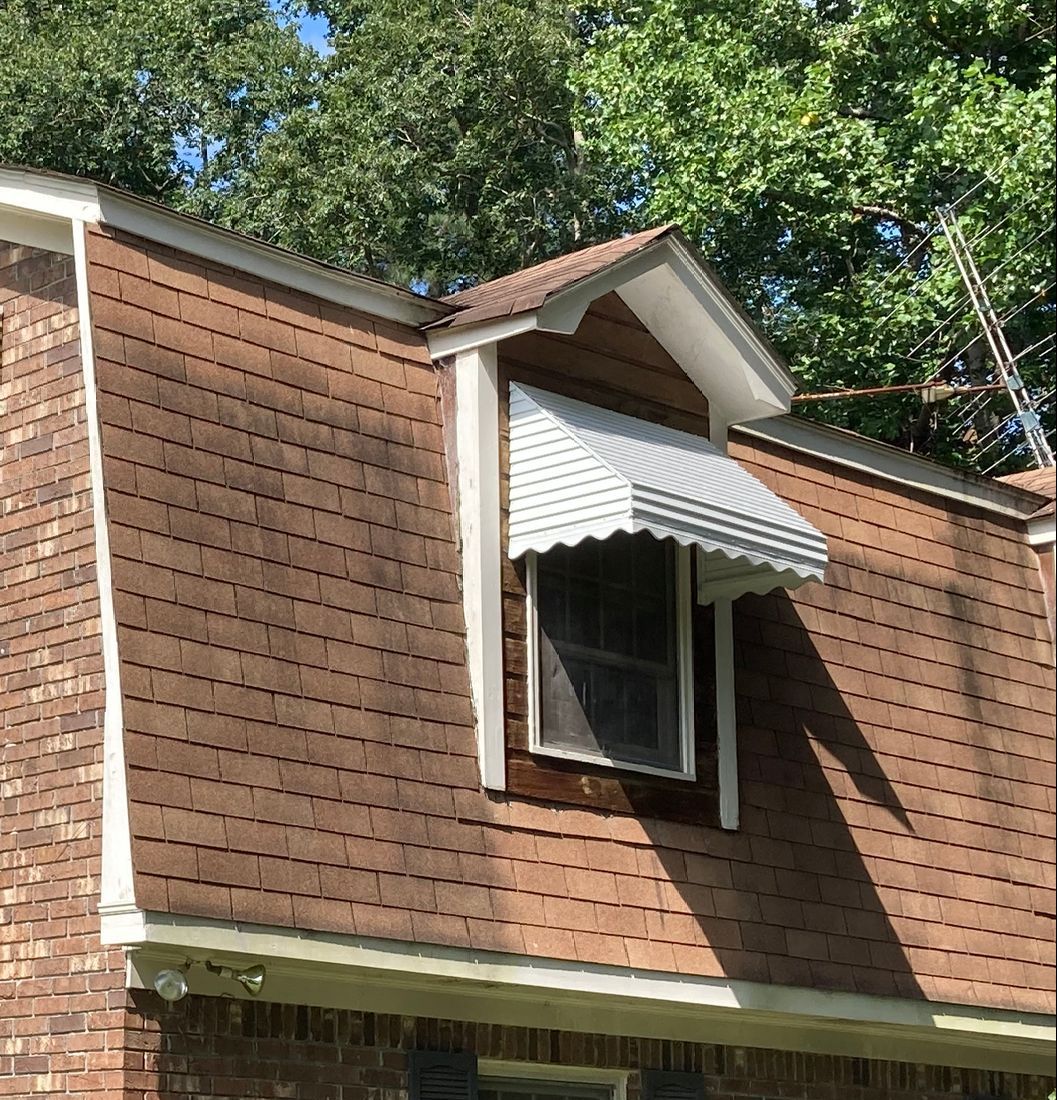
(685, 308)
(347, 971)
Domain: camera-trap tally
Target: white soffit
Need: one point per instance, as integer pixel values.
(579, 471)
(695, 320)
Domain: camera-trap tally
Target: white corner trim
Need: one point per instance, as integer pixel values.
(116, 885)
(856, 452)
(726, 715)
(1042, 531)
(723, 641)
(346, 971)
(477, 449)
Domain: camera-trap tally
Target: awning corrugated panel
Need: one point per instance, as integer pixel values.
(579, 471)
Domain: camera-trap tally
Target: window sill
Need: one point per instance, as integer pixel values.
(616, 765)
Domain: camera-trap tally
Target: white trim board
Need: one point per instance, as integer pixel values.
(19, 226)
(615, 1079)
(116, 875)
(477, 447)
(845, 448)
(346, 971)
(66, 198)
(1042, 532)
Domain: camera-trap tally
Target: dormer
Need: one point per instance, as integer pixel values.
(593, 395)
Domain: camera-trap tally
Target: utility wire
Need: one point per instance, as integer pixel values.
(1027, 351)
(966, 298)
(1004, 319)
(936, 229)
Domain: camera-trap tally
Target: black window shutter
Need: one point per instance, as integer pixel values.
(665, 1085)
(434, 1076)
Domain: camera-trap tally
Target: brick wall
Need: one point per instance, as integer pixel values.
(210, 1049)
(299, 737)
(58, 988)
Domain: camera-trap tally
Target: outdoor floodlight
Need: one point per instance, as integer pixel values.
(170, 985)
(251, 979)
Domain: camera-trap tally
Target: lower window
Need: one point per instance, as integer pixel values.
(610, 654)
(502, 1088)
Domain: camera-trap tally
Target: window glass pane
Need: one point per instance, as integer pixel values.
(608, 667)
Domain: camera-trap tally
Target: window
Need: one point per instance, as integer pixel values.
(610, 655)
(503, 1088)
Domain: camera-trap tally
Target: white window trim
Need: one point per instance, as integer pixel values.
(726, 715)
(615, 1079)
(685, 663)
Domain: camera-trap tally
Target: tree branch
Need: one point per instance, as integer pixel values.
(907, 228)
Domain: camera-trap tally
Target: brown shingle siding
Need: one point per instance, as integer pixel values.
(287, 577)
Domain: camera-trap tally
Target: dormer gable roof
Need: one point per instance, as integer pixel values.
(666, 283)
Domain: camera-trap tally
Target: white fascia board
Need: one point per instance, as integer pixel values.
(444, 342)
(859, 453)
(694, 321)
(50, 196)
(345, 971)
(287, 269)
(116, 874)
(70, 200)
(1042, 531)
(776, 381)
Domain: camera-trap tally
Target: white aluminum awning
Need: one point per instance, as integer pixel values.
(579, 471)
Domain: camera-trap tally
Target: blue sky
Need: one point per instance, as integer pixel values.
(312, 30)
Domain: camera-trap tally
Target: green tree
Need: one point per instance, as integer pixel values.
(168, 98)
(439, 148)
(805, 147)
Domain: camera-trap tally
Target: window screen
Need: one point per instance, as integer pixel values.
(509, 1089)
(609, 683)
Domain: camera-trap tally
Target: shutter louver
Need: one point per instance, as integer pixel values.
(665, 1085)
(437, 1076)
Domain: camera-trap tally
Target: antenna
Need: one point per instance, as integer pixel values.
(1004, 358)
